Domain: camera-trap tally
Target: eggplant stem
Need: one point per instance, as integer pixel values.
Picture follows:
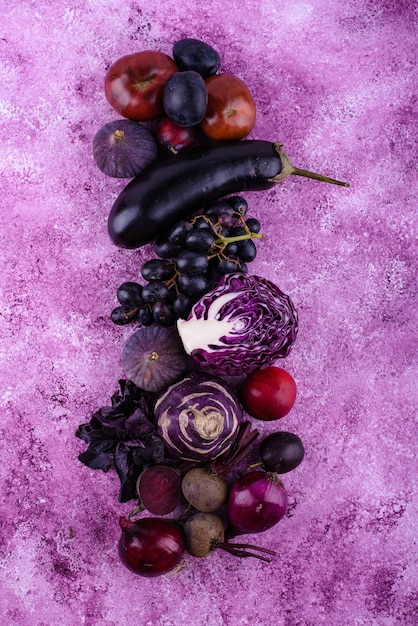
(290, 170)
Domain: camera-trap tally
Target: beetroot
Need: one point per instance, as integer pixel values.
(204, 490)
(159, 489)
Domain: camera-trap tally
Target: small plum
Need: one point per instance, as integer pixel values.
(174, 138)
(185, 98)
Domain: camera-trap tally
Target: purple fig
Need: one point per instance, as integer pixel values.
(124, 148)
(153, 358)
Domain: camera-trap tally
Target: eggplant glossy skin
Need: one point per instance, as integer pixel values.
(172, 190)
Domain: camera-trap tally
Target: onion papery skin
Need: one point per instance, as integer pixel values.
(198, 418)
(150, 546)
(256, 502)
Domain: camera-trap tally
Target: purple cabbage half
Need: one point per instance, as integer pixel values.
(198, 418)
(243, 324)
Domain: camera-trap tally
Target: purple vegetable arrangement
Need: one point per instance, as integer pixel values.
(176, 430)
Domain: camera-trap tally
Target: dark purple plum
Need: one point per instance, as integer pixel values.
(124, 148)
(281, 452)
(196, 55)
(185, 98)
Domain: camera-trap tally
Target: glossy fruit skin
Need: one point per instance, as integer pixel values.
(281, 452)
(185, 98)
(256, 502)
(150, 546)
(193, 54)
(268, 394)
(231, 110)
(171, 190)
(172, 137)
(134, 84)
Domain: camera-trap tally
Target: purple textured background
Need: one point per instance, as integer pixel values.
(336, 83)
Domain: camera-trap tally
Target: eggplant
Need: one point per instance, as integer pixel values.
(172, 190)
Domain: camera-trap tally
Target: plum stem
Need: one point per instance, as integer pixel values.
(290, 170)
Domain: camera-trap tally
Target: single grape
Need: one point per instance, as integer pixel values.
(236, 231)
(200, 240)
(129, 294)
(163, 313)
(145, 316)
(253, 225)
(155, 291)
(226, 219)
(202, 223)
(190, 262)
(227, 265)
(192, 284)
(182, 305)
(247, 250)
(239, 205)
(178, 233)
(218, 207)
(119, 316)
(166, 249)
(157, 269)
(230, 249)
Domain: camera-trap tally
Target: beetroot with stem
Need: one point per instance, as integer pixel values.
(159, 489)
(204, 533)
(204, 487)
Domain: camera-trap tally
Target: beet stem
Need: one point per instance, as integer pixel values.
(241, 553)
(249, 545)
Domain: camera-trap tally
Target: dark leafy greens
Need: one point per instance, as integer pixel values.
(123, 436)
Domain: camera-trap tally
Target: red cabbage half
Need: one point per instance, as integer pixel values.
(244, 323)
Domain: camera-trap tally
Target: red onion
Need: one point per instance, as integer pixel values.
(256, 502)
(150, 546)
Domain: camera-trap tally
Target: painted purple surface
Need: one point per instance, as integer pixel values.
(336, 83)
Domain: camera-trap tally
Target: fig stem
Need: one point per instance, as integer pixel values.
(290, 170)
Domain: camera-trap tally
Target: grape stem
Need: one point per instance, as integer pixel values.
(289, 170)
(227, 240)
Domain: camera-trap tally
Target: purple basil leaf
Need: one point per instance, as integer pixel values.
(96, 460)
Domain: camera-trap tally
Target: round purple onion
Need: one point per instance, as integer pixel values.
(257, 501)
(124, 148)
(198, 418)
(244, 323)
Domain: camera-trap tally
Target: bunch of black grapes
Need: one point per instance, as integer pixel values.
(193, 255)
